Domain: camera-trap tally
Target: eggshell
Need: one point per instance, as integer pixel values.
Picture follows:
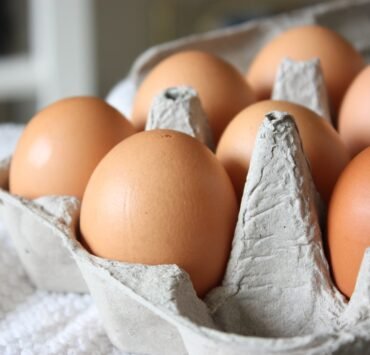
(323, 147)
(349, 222)
(161, 197)
(222, 89)
(62, 144)
(354, 115)
(340, 61)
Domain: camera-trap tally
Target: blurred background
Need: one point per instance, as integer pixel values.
(50, 49)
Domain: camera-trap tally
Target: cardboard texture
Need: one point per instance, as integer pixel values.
(47, 262)
(277, 296)
(180, 109)
(294, 82)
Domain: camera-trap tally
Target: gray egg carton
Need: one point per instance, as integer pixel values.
(277, 296)
(31, 225)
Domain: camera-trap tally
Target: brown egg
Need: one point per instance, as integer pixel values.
(162, 197)
(326, 153)
(354, 115)
(339, 60)
(222, 89)
(62, 144)
(349, 222)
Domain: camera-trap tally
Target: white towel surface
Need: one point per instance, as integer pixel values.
(35, 322)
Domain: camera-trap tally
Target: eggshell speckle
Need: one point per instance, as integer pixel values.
(62, 144)
(354, 115)
(322, 145)
(349, 222)
(339, 60)
(221, 88)
(161, 197)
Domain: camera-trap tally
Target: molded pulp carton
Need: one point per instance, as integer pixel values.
(277, 296)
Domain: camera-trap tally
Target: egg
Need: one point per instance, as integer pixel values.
(62, 144)
(354, 114)
(322, 145)
(221, 88)
(162, 197)
(340, 61)
(349, 222)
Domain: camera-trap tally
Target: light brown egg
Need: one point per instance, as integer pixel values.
(62, 144)
(221, 88)
(322, 145)
(354, 114)
(349, 222)
(162, 197)
(340, 62)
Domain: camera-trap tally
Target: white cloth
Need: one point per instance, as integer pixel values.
(35, 322)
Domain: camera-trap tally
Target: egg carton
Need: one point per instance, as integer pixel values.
(180, 109)
(32, 225)
(237, 45)
(276, 295)
(262, 306)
